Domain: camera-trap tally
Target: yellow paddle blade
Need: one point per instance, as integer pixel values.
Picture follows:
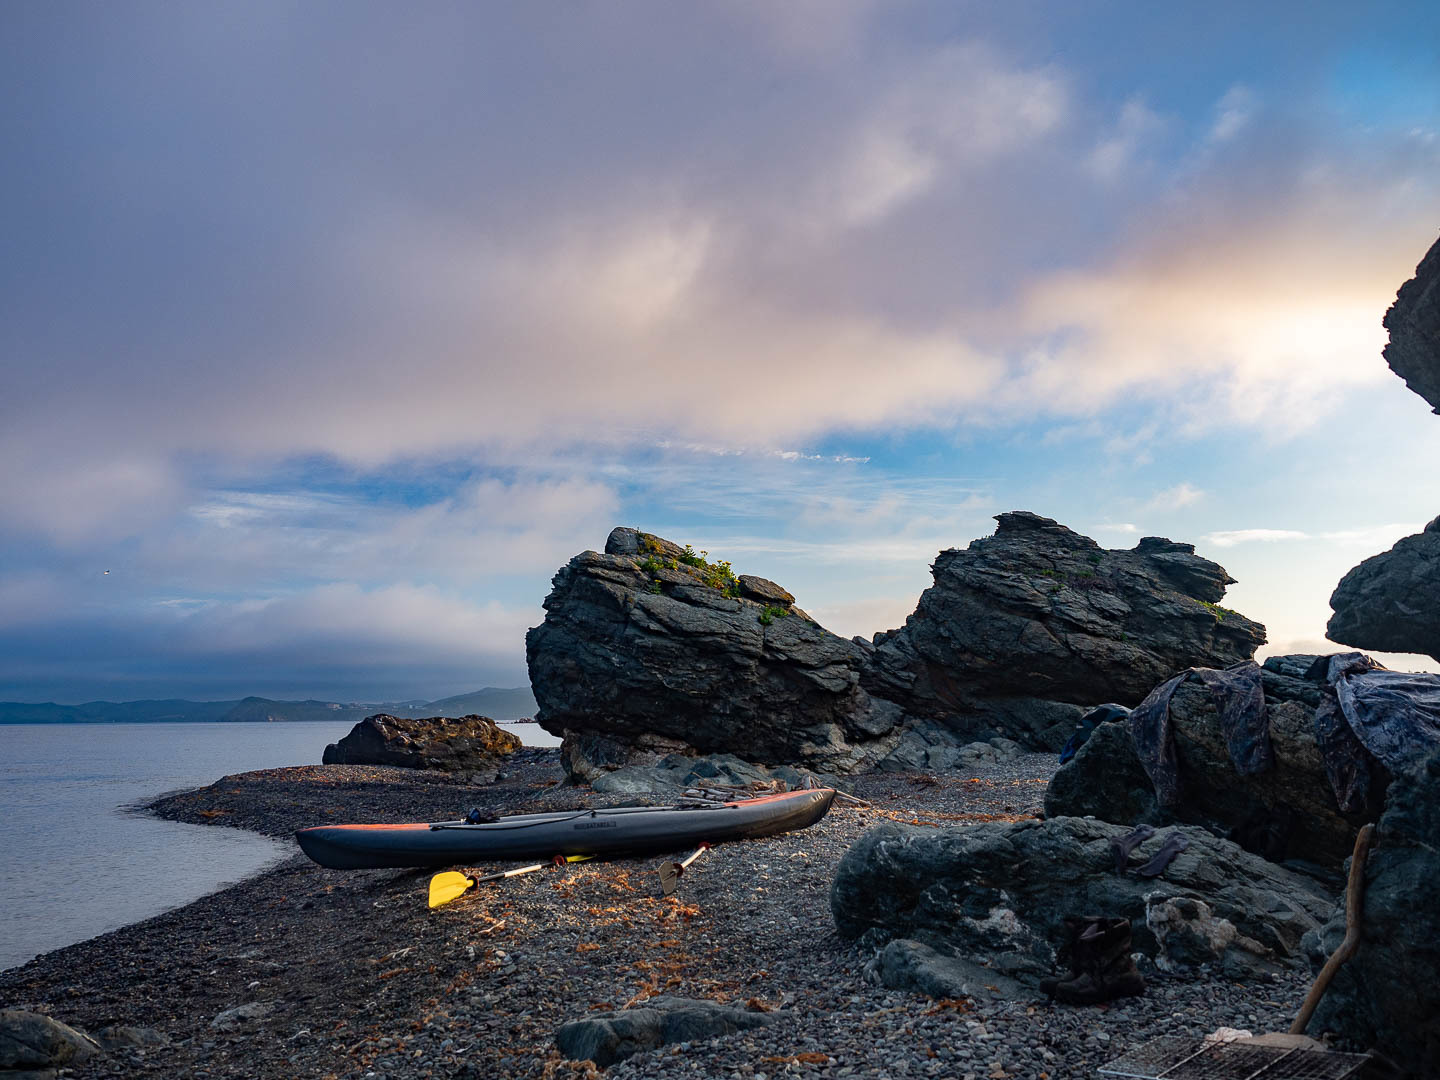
(578, 858)
(448, 886)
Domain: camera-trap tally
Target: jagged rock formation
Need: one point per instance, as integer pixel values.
(936, 900)
(1288, 811)
(1024, 629)
(1414, 325)
(648, 650)
(467, 744)
(1391, 601)
(1386, 995)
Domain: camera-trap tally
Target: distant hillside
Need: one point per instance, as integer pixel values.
(514, 704)
(114, 712)
(511, 704)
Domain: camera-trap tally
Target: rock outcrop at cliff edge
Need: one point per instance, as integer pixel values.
(1414, 325)
(1023, 627)
(1391, 601)
(649, 649)
(464, 744)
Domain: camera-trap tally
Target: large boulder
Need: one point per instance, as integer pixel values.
(1387, 995)
(649, 649)
(33, 1044)
(1391, 601)
(1287, 811)
(1414, 325)
(1023, 629)
(1001, 892)
(466, 744)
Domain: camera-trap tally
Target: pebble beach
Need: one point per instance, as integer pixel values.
(303, 971)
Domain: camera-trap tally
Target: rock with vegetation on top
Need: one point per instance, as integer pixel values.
(1414, 325)
(608, 1037)
(467, 744)
(1387, 995)
(996, 895)
(1023, 630)
(1286, 812)
(649, 649)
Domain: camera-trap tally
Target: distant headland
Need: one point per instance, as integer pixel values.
(498, 703)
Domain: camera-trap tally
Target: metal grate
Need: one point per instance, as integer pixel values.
(1173, 1057)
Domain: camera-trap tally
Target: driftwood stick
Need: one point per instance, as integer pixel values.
(1354, 894)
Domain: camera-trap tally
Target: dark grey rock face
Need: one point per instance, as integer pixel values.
(1391, 601)
(1387, 995)
(1105, 780)
(651, 653)
(647, 650)
(1414, 325)
(464, 744)
(1001, 892)
(676, 773)
(1024, 629)
(608, 1037)
(33, 1041)
(1288, 811)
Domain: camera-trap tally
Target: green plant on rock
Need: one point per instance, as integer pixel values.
(656, 586)
(1084, 571)
(1047, 573)
(1216, 610)
(771, 613)
(1096, 558)
(652, 565)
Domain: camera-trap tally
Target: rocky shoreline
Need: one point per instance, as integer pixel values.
(302, 971)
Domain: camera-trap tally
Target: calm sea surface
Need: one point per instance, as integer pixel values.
(74, 863)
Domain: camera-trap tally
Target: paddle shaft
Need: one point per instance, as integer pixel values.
(509, 873)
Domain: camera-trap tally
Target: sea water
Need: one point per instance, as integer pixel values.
(76, 858)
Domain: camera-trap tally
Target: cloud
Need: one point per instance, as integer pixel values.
(1182, 494)
(337, 640)
(1237, 304)
(1115, 153)
(1232, 114)
(1371, 538)
(1231, 537)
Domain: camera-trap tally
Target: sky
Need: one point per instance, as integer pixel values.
(330, 331)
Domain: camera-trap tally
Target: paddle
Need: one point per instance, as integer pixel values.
(452, 884)
(670, 872)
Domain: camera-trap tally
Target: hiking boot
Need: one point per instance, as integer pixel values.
(1101, 968)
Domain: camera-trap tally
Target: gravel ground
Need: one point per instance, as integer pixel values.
(353, 977)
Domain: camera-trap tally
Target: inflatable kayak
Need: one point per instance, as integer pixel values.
(624, 830)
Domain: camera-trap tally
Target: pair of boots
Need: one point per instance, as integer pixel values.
(1100, 964)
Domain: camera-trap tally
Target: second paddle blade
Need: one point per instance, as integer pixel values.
(447, 887)
(670, 877)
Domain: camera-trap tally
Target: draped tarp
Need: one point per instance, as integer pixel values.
(1239, 698)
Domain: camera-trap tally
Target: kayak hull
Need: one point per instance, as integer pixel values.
(618, 831)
